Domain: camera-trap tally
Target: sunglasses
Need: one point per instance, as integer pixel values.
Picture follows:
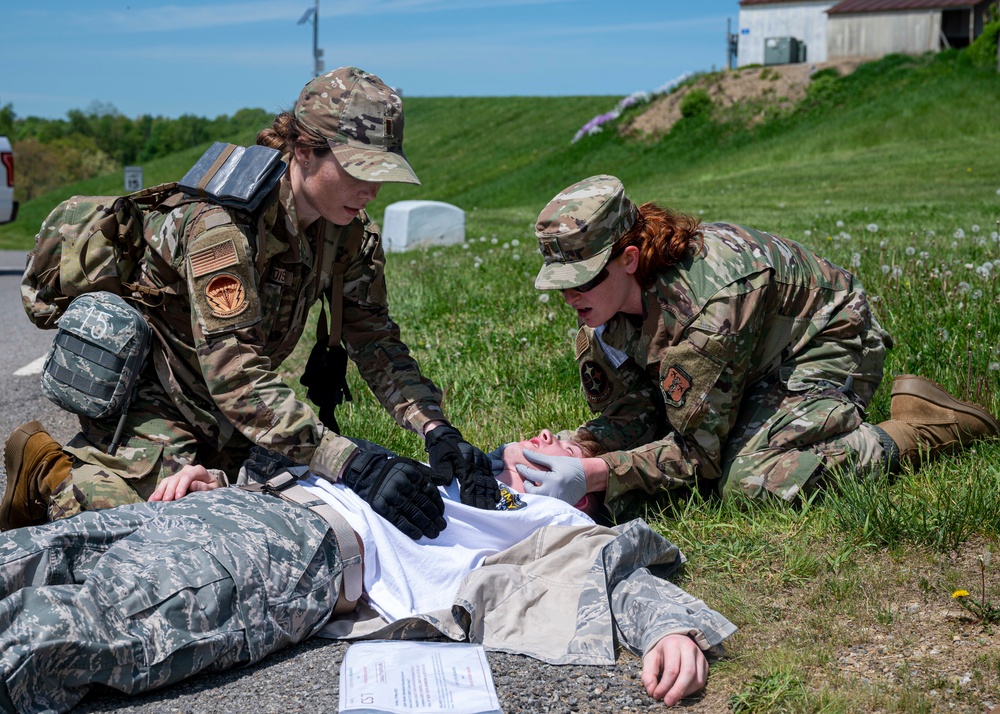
(593, 282)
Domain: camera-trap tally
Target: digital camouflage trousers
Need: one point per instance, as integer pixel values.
(141, 596)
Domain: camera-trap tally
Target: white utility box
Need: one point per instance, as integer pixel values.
(421, 224)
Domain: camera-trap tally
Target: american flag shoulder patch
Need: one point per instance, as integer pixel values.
(214, 258)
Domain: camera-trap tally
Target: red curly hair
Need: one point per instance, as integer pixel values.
(663, 237)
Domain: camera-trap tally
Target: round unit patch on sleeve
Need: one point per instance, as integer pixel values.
(226, 295)
(596, 384)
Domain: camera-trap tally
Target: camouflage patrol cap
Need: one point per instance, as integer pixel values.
(578, 229)
(361, 119)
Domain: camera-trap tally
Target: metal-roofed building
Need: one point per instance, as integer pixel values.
(855, 28)
(763, 20)
(873, 28)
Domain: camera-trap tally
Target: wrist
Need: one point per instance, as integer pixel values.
(433, 424)
(596, 472)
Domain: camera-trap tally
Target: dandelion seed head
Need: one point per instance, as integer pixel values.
(885, 269)
(493, 240)
(962, 288)
(910, 250)
(840, 224)
(995, 366)
(959, 233)
(543, 298)
(855, 260)
(975, 228)
(924, 255)
(516, 256)
(977, 294)
(808, 232)
(872, 228)
(515, 242)
(897, 271)
(883, 244)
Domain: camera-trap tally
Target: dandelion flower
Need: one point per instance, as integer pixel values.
(872, 228)
(543, 298)
(960, 593)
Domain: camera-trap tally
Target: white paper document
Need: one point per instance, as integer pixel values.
(426, 677)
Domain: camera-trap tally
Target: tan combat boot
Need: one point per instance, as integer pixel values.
(35, 464)
(927, 421)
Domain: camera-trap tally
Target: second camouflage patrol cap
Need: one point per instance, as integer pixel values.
(361, 119)
(578, 229)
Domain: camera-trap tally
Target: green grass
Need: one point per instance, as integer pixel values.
(893, 172)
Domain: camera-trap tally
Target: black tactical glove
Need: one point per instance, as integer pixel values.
(325, 379)
(400, 490)
(453, 457)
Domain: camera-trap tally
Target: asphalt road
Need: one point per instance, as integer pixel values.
(301, 678)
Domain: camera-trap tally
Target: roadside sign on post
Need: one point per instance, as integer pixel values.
(133, 178)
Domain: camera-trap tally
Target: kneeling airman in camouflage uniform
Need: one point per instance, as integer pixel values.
(237, 290)
(723, 356)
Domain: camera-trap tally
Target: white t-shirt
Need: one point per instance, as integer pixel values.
(404, 577)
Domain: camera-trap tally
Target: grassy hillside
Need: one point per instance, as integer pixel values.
(844, 603)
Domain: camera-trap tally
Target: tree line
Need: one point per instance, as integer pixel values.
(99, 140)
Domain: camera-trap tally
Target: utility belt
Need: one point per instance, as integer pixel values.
(286, 487)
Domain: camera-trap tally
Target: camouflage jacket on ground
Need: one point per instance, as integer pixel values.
(238, 298)
(564, 595)
(668, 384)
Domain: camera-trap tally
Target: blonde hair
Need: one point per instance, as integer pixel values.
(286, 132)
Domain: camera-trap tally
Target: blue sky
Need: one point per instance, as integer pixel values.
(211, 57)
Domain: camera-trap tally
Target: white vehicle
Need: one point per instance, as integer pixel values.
(8, 206)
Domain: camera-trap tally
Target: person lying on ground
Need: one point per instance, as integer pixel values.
(144, 595)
